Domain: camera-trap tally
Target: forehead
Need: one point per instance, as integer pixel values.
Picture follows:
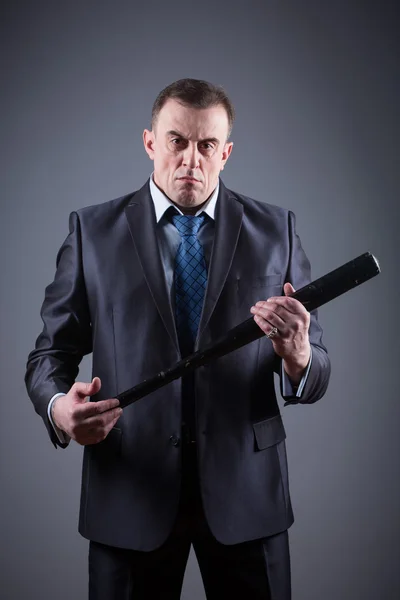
(193, 123)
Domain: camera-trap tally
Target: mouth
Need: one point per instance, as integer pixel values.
(188, 179)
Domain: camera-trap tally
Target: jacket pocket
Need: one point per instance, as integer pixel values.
(253, 288)
(269, 432)
(260, 281)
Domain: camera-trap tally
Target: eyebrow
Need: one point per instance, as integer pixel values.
(176, 133)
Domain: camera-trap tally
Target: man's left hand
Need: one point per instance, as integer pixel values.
(292, 321)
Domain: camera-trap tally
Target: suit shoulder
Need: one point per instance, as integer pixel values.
(105, 209)
(100, 219)
(267, 209)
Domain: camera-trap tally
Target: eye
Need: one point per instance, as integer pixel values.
(178, 143)
(207, 146)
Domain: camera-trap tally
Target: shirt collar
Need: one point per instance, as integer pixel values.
(163, 203)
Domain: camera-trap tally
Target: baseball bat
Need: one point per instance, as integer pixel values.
(312, 296)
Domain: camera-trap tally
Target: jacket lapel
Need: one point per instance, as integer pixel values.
(142, 225)
(228, 221)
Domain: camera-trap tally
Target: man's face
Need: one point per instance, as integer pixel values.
(189, 149)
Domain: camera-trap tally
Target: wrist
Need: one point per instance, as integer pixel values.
(296, 366)
(55, 413)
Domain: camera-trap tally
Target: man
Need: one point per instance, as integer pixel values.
(202, 460)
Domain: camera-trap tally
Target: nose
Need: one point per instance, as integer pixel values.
(191, 156)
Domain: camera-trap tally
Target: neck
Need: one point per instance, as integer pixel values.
(190, 210)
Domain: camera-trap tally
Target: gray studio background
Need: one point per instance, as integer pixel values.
(316, 89)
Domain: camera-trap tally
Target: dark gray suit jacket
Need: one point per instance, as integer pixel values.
(109, 297)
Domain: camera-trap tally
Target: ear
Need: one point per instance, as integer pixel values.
(226, 153)
(149, 141)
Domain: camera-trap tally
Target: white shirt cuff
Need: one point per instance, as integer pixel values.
(287, 387)
(63, 437)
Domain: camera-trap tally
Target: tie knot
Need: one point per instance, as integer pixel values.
(188, 224)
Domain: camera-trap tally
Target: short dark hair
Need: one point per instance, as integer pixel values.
(195, 93)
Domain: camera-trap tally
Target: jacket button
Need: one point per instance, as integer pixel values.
(175, 441)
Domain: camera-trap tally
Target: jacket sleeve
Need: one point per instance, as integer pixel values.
(299, 274)
(66, 336)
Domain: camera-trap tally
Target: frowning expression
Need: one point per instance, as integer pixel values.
(189, 148)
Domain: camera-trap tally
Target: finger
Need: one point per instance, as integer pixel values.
(99, 421)
(94, 435)
(89, 440)
(266, 308)
(291, 304)
(273, 322)
(98, 426)
(288, 289)
(265, 326)
(103, 419)
(83, 390)
(272, 316)
(90, 409)
(286, 322)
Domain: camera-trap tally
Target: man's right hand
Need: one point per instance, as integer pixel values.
(85, 422)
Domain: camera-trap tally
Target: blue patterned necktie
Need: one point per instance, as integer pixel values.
(190, 280)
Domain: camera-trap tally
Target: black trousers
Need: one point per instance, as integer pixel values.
(255, 570)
